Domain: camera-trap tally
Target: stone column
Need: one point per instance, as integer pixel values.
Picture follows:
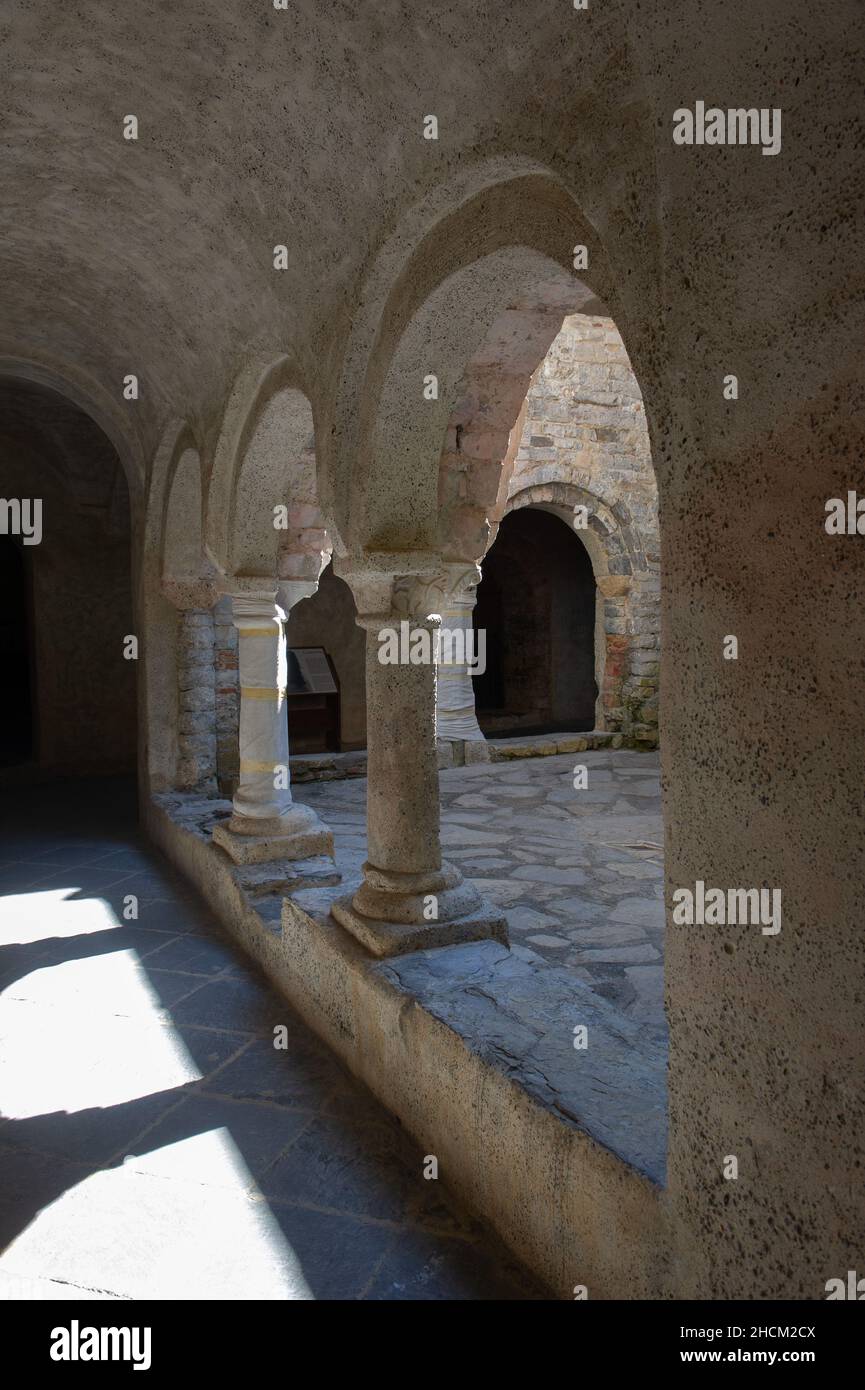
(410, 898)
(266, 823)
(196, 698)
(455, 695)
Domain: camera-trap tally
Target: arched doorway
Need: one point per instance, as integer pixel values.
(536, 604)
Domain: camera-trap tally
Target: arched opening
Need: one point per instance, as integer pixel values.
(16, 715)
(536, 608)
(265, 543)
(328, 621)
(70, 669)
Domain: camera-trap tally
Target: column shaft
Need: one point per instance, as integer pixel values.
(263, 788)
(402, 788)
(455, 694)
(410, 897)
(267, 824)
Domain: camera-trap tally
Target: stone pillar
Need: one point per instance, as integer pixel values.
(410, 898)
(266, 823)
(455, 695)
(196, 701)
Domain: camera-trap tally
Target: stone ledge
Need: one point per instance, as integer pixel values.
(518, 1013)
(326, 767)
(471, 1046)
(548, 745)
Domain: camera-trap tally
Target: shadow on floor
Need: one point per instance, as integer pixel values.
(155, 1142)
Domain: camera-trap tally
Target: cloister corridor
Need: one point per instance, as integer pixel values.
(432, 558)
(154, 1143)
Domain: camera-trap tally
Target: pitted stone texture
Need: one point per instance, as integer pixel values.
(259, 849)
(399, 938)
(285, 875)
(408, 890)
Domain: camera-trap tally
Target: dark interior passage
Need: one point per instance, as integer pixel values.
(68, 691)
(536, 603)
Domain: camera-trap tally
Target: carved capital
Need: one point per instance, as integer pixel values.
(396, 591)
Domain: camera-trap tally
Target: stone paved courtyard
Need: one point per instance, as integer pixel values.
(579, 872)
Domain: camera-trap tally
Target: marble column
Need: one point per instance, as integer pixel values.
(455, 695)
(266, 823)
(410, 897)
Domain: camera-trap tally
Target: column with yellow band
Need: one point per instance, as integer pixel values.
(263, 792)
(266, 823)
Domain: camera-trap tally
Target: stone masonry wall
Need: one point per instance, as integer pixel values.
(584, 432)
(227, 696)
(197, 703)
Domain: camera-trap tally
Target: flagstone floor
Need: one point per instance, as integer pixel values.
(578, 871)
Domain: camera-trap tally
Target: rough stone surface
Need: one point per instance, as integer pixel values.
(260, 849)
(383, 938)
(521, 1014)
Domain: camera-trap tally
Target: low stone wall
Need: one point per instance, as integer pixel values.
(561, 1151)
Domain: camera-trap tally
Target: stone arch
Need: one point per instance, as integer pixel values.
(103, 408)
(264, 460)
(185, 569)
(615, 553)
(502, 234)
(266, 457)
(162, 587)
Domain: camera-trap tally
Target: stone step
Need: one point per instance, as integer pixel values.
(548, 745)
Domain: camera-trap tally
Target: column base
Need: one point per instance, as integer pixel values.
(299, 834)
(399, 938)
(389, 912)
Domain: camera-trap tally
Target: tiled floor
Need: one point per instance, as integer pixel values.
(154, 1142)
(578, 870)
